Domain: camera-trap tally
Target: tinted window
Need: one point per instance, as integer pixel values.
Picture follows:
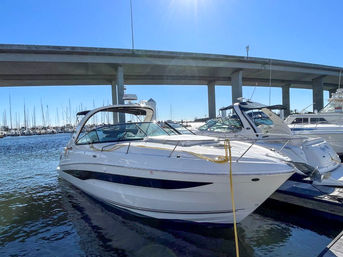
(317, 120)
(300, 120)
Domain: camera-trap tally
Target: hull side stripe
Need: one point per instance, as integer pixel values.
(134, 181)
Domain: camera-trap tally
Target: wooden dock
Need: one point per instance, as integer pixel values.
(335, 248)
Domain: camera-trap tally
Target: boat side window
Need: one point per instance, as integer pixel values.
(318, 120)
(300, 121)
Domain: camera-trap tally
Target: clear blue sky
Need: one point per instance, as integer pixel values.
(308, 31)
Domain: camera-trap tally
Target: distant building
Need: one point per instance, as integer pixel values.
(152, 103)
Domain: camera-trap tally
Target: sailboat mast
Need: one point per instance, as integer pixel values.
(43, 119)
(25, 115)
(34, 116)
(70, 122)
(10, 110)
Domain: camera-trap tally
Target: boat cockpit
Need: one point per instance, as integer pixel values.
(117, 123)
(246, 118)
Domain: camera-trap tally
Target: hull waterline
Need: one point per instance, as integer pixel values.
(210, 203)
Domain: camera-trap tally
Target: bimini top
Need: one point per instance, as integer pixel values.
(134, 109)
(248, 105)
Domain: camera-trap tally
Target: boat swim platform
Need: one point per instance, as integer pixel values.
(335, 248)
(40, 65)
(325, 201)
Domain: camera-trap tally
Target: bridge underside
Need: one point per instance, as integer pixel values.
(27, 65)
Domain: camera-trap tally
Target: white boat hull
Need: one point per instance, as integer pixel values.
(139, 167)
(334, 138)
(210, 203)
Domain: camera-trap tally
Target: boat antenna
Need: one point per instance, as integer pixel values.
(253, 92)
(303, 110)
(132, 36)
(270, 80)
(339, 79)
(247, 49)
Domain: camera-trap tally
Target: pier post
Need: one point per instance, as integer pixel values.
(120, 90)
(236, 84)
(317, 87)
(211, 93)
(286, 99)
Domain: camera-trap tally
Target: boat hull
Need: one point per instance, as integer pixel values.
(207, 200)
(334, 138)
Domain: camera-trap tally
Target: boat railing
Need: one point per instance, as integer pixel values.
(177, 143)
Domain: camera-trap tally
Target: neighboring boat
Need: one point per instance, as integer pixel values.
(2, 134)
(256, 123)
(327, 123)
(122, 158)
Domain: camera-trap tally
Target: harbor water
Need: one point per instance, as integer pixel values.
(42, 215)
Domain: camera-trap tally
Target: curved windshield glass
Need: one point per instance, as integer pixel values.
(259, 117)
(120, 132)
(268, 122)
(229, 123)
(181, 129)
(108, 126)
(221, 125)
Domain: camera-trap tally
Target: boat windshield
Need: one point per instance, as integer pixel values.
(110, 126)
(120, 132)
(267, 121)
(259, 117)
(230, 122)
(179, 128)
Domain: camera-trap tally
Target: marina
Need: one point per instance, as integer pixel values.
(173, 128)
(41, 213)
(167, 174)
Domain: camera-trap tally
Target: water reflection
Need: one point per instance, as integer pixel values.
(118, 232)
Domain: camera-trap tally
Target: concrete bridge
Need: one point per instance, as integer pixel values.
(36, 65)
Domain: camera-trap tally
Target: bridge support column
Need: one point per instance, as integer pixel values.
(114, 100)
(236, 83)
(211, 93)
(120, 90)
(317, 87)
(114, 93)
(120, 84)
(118, 94)
(286, 99)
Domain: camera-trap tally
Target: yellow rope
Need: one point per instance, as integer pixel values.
(228, 145)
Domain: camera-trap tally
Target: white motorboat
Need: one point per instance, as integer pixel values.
(255, 122)
(327, 123)
(120, 157)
